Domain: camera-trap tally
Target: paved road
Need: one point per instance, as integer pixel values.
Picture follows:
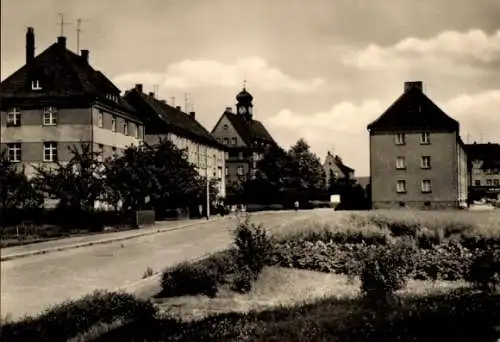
(28, 285)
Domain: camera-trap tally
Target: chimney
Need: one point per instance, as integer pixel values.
(193, 115)
(61, 41)
(178, 107)
(229, 109)
(30, 45)
(151, 94)
(85, 55)
(138, 87)
(413, 84)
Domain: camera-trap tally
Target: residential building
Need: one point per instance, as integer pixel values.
(245, 138)
(57, 100)
(167, 122)
(335, 167)
(417, 158)
(484, 161)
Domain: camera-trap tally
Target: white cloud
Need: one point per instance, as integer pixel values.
(343, 126)
(457, 48)
(199, 73)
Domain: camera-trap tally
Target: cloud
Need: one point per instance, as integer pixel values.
(463, 49)
(190, 74)
(342, 128)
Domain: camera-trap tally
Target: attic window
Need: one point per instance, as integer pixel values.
(112, 97)
(226, 127)
(35, 85)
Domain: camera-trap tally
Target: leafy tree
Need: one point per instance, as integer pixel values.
(77, 184)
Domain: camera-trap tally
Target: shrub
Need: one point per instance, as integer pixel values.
(385, 270)
(485, 270)
(243, 279)
(67, 320)
(190, 279)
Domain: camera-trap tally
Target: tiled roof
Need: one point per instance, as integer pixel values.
(150, 109)
(62, 74)
(249, 129)
(488, 153)
(414, 110)
(340, 164)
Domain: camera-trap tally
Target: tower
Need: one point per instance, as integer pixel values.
(244, 105)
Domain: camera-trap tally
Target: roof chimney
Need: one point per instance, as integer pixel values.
(193, 115)
(178, 107)
(413, 84)
(30, 45)
(61, 41)
(85, 55)
(151, 94)
(229, 109)
(138, 87)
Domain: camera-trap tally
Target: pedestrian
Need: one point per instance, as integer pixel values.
(296, 205)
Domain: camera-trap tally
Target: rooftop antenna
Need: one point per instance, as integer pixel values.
(173, 101)
(78, 30)
(468, 138)
(192, 105)
(62, 23)
(155, 89)
(244, 84)
(481, 138)
(185, 102)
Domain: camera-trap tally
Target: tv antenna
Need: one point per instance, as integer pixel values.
(62, 23)
(186, 102)
(173, 101)
(155, 89)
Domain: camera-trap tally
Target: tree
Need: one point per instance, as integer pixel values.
(77, 184)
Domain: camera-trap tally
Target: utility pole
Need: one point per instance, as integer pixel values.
(78, 30)
(62, 23)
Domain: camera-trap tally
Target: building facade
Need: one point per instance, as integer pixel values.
(335, 167)
(484, 162)
(162, 121)
(246, 139)
(417, 158)
(56, 101)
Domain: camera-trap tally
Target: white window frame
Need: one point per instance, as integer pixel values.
(234, 141)
(14, 117)
(425, 162)
(100, 151)
(100, 119)
(227, 171)
(489, 182)
(15, 149)
(225, 127)
(136, 131)
(401, 186)
(51, 149)
(400, 163)
(477, 182)
(496, 182)
(49, 116)
(426, 186)
(425, 138)
(400, 139)
(226, 141)
(240, 171)
(35, 85)
(113, 124)
(125, 127)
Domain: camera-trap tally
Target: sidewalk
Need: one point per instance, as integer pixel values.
(10, 253)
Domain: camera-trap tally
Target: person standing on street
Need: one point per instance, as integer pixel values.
(296, 205)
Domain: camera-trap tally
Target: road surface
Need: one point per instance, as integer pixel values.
(31, 284)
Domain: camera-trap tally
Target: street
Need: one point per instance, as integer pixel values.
(30, 284)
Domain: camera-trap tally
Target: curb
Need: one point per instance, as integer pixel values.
(101, 242)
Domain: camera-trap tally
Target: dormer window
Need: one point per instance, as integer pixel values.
(35, 85)
(225, 127)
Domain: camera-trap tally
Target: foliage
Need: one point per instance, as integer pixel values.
(68, 319)
(485, 270)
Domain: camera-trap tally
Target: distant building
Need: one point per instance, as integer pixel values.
(484, 161)
(245, 138)
(334, 166)
(57, 100)
(417, 158)
(164, 121)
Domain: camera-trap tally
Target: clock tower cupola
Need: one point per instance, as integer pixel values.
(244, 106)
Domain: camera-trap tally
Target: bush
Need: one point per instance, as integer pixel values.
(485, 270)
(69, 319)
(385, 270)
(190, 279)
(243, 279)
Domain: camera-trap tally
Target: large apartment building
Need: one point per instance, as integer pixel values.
(484, 161)
(245, 138)
(417, 158)
(57, 100)
(164, 121)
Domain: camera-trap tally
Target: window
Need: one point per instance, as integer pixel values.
(49, 116)
(477, 182)
(241, 170)
(114, 150)
(425, 162)
(496, 182)
(425, 138)
(489, 182)
(125, 127)
(227, 171)
(225, 127)
(136, 131)
(49, 151)
(100, 117)
(14, 117)
(113, 124)
(233, 141)
(14, 152)
(226, 141)
(35, 85)
(401, 186)
(400, 139)
(401, 163)
(476, 171)
(100, 151)
(426, 185)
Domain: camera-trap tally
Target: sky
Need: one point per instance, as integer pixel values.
(321, 70)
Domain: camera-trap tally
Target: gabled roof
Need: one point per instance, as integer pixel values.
(249, 129)
(62, 74)
(338, 162)
(414, 110)
(488, 153)
(151, 109)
